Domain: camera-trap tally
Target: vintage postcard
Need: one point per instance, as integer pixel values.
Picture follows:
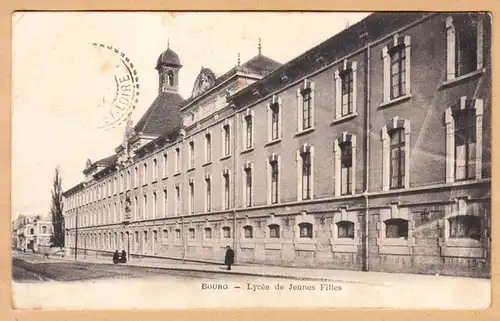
(175, 160)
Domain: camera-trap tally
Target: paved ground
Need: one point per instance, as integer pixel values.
(33, 268)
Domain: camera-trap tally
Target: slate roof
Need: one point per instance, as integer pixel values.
(110, 160)
(261, 64)
(345, 42)
(162, 116)
(168, 57)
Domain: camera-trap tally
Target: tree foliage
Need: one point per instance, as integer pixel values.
(56, 210)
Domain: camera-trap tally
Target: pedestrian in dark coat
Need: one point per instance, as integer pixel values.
(229, 259)
(123, 257)
(116, 257)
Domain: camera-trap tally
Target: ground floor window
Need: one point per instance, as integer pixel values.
(274, 231)
(226, 232)
(465, 226)
(248, 232)
(396, 228)
(345, 229)
(306, 230)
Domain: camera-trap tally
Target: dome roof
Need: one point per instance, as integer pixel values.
(168, 57)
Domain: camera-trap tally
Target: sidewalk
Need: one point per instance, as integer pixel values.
(375, 278)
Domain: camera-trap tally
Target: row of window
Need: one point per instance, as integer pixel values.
(464, 56)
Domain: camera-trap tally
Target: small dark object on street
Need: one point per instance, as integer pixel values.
(116, 257)
(123, 257)
(229, 259)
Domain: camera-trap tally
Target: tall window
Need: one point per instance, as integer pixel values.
(191, 233)
(165, 203)
(274, 181)
(191, 198)
(191, 154)
(347, 92)
(306, 109)
(396, 228)
(248, 186)
(397, 151)
(274, 231)
(145, 206)
(275, 114)
(306, 175)
(136, 209)
(346, 167)
(177, 160)
(177, 233)
(465, 44)
(226, 191)
(136, 177)
(177, 199)
(208, 195)
(465, 226)
(345, 229)
(208, 148)
(155, 170)
(208, 233)
(155, 204)
(165, 165)
(248, 132)
(170, 77)
(398, 72)
(465, 144)
(129, 179)
(144, 174)
(227, 140)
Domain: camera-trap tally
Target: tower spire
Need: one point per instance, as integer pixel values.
(260, 46)
(168, 43)
(239, 60)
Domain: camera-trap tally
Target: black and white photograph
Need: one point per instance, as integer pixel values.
(182, 160)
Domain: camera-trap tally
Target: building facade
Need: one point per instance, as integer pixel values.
(30, 232)
(370, 151)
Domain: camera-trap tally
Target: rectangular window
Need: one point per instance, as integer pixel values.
(226, 232)
(177, 199)
(249, 132)
(347, 92)
(191, 233)
(398, 72)
(191, 154)
(177, 233)
(306, 175)
(208, 194)
(274, 231)
(275, 114)
(397, 158)
(155, 170)
(227, 140)
(136, 177)
(208, 148)
(177, 160)
(155, 204)
(191, 198)
(465, 145)
(165, 203)
(274, 182)
(465, 44)
(208, 233)
(226, 191)
(144, 174)
(165, 165)
(306, 109)
(346, 168)
(248, 232)
(145, 207)
(248, 187)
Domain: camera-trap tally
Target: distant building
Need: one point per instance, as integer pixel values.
(29, 232)
(370, 151)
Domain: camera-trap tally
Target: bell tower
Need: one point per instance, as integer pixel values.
(168, 66)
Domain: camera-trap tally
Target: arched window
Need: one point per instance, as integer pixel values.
(345, 229)
(170, 78)
(306, 230)
(226, 232)
(208, 233)
(396, 228)
(274, 231)
(177, 233)
(191, 233)
(248, 232)
(465, 226)
(165, 234)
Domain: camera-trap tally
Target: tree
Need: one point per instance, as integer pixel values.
(57, 210)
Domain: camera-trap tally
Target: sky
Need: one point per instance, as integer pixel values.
(58, 82)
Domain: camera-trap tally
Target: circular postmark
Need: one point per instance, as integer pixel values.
(119, 82)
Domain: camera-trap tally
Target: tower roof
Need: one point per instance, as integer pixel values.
(168, 57)
(162, 116)
(261, 64)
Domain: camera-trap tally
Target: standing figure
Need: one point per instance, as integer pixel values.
(123, 257)
(116, 257)
(229, 259)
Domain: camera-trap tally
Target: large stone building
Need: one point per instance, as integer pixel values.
(370, 151)
(31, 232)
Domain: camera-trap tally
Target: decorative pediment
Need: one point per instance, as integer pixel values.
(204, 81)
